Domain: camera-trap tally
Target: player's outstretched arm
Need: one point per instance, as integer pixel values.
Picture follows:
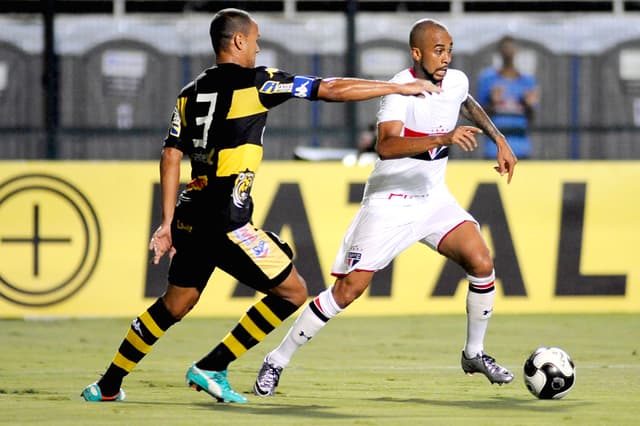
(506, 159)
(341, 89)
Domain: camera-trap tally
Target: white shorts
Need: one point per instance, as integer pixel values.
(383, 228)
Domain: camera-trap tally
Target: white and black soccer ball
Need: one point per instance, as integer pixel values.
(549, 373)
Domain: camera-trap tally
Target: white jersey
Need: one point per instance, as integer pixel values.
(432, 114)
(406, 200)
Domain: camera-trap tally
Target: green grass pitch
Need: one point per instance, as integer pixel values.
(357, 371)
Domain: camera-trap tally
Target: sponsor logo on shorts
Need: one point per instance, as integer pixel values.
(261, 250)
(245, 235)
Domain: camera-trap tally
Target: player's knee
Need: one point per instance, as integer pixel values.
(346, 291)
(179, 304)
(480, 265)
(293, 289)
(300, 293)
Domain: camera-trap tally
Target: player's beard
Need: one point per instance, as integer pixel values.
(429, 76)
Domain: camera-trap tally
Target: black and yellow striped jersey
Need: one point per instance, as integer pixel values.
(218, 121)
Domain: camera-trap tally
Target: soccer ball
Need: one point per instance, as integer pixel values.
(549, 373)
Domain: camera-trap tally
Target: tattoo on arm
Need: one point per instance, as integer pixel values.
(472, 110)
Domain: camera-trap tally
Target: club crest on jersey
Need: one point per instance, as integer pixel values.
(302, 86)
(242, 188)
(353, 257)
(434, 152)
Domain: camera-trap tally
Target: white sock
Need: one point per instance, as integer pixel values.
(314, 316)
(480, 297)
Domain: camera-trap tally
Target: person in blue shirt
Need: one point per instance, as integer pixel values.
(510, 98)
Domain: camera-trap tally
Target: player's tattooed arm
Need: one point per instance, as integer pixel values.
(505, 158)
(472, 110)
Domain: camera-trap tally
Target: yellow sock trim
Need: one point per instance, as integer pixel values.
(234, 345)
(124, 363)
(151, 325)
(252, 328)
(268, 314)
(137, 342)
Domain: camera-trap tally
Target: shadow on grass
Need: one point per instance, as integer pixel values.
(531, 404)
(279, 410)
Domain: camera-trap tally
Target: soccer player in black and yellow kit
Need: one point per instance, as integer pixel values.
(218, 122)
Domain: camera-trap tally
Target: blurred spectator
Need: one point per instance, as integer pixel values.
(510, 98)
(367, 139)
(366, 150)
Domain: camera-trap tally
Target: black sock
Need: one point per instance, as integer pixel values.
(144, 331)
(260, 320)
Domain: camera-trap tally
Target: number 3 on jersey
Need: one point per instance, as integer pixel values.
(209, 98)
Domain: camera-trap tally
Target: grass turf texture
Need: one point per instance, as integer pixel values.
(357, 371)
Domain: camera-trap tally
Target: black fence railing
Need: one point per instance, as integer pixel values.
(284, 6)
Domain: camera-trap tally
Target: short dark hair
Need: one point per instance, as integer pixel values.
(225, 24)
(420, 26)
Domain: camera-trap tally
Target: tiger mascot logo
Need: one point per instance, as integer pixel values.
(242, 187)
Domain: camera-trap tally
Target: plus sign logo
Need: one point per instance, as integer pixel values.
(49, 240)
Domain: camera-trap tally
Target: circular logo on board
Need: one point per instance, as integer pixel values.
(49, 240)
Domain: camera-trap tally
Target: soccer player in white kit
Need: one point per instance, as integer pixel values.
(406, 201)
